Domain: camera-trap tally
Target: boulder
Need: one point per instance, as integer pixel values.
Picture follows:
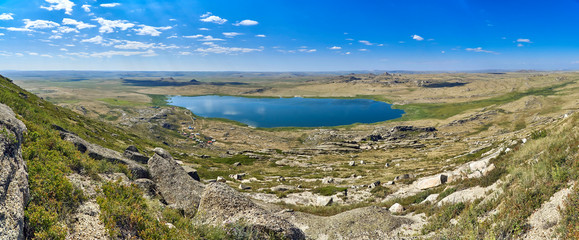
(174, 184)
(396, 208)
(352, 163)
(324, 201)
(133, 153)
(147, 185)
(244, 187)
(431, 198)
(220, 205)
(14, 192)
(192, 173)
(100, 153)
(431, 182)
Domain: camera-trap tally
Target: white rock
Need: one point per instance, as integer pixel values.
(396, 208)
(324, 201)
(221, 179)
(431, 198)
(432, 182)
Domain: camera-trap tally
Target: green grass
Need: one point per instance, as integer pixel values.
(328, 190)
(119, 102)
(159, 100)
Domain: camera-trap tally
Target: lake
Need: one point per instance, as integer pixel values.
(289, 112)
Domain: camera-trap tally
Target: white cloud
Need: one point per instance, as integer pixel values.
(520, 45)
(362, 50)
(33, 54)
(149, 53)
(6, 16)
(65, 5)
(365, 42)
(204, 29)
(208, 17)
(108, 26)
(348, 53)
(246, 22)
(95, 40)
(172, 36)
(335, 48)
(135, 45)
(575, 62)
(194, 36)
(479, 49)
(204, 38)
(65, 29)
(77, 24)
(86, 7)
(524, 40)
(64, 49)
(2, 34)
(227, 50)
(307, 50)
(185, 53)
(151, 31)
(231, 34)
(417, 38)
(349, 39)
(39, 24)
(110, 5)
(260, 35)
(14, 29)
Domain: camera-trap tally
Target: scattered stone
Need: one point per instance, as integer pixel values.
(362, 162)
(390, 183)
(432, 182)
(352, 163)
(14, 192)
(237, 177)
(524, 140)
(237, 164)
(375, 184)
(387, 165)
(176, 186)
(324, 201)
(221, 179)
(328, 180)
(281, 179)
(396, 208)
(403, 176)
(431, 198)
(244, 187)
(133, 153)
(220, 205)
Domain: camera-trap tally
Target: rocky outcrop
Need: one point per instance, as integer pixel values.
(133, 153)
(432, 182)
(401, 132)
(14, 192)
(173, 183)
(221, 204)
(100, 153)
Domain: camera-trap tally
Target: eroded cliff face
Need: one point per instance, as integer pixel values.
(13, 176)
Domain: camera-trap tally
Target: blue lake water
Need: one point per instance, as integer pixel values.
(289, 112)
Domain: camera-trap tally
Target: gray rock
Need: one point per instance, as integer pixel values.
(221, 204)
(133, 153)
(375, 184)
(14, 192)
(174, 184)
(328, 180)
(221, 179)
(147, 185)
(237, 164)
(192, 172)
(352, 163)
(100, 153)
(403, 176)
(244, 187)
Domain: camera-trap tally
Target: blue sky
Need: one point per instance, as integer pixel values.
(296, 35)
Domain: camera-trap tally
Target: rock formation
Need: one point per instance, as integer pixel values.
(14, 193)
(173, 183)
(221, 204)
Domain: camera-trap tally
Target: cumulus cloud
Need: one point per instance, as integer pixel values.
(365, 42)
(86, 7)
(204, 29)
(2, 34)
(15, 29)
(77, 24)
(479, 49)
(133, 45)
(151, 31)
(194, 36)
(39, 24)
(417, 38)
(260, 35)
(209, 17)
(335, 48)
(65, 5)
(65, 29)
(246, 22)
(6, 16)
(110, 5)
(109, 54)
(108, 26)
(231, 34)
(520, 45)
(524, 40)
(204, 38)
(55, 37)
(227, 50)
(307, 50)
(95, 40)
(362, 50)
